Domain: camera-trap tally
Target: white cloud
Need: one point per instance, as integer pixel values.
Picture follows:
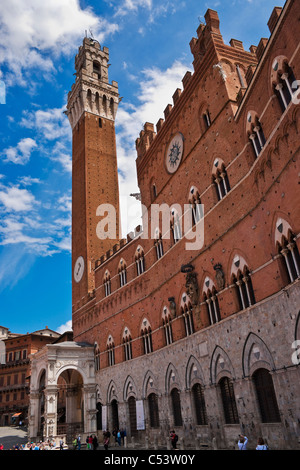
(52, 126)
(15, 199)
(65, 327)
(32, 33)
(20, 154)
(130, 6)
(155, 92)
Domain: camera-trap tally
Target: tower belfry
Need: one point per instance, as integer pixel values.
(91, 109)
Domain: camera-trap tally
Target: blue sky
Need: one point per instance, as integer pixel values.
(149, 54)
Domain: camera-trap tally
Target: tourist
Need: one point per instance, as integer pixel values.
(242, 443)
(261, 444)
(174, 439)
(95, 443)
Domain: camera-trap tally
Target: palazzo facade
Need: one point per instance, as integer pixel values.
(192, 323)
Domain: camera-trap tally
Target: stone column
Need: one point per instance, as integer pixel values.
(51, 393)
(90, 410)
(33, 415)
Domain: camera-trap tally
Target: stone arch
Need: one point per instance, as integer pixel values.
(149, 385)
(220, 365)
(193, 373)
(112, 392)
(129, 389)
(256, 355)
(172, 379)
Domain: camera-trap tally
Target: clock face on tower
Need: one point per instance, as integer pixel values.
(174, 153)
(78, 269)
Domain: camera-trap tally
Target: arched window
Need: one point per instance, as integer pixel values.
(243, 283)
(97, 69)
(290, 254)
(255, 133)
(220, 179)
(175, 226)
(199, 404)
(139, 260)
(176, 406)
(284, 81)
(146, 334)
(158, 243)
(244, 289)
(228, 401)
(167, 324)
(97, 357)
(206, 119)
(153, 410)
(110, 351)
(89, 99)
(195, 205)
(122, 273)
(212, 303)
(266, 396)
(107, 283)
(187, 314)
(127, 345)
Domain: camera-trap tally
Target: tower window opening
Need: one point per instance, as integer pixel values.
(97, 69)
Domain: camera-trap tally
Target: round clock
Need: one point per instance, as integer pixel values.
(174, 153)
(79, 269)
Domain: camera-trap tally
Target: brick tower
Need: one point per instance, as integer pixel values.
(91, 109)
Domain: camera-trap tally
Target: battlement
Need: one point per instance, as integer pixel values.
(208, 38)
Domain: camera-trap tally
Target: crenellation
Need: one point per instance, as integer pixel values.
(236, 44)
(274, 18)
(261, 48)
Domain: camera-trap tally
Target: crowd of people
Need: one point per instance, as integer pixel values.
(119, 437)
(42, 445)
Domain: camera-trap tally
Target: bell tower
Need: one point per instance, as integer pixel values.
(91, 109)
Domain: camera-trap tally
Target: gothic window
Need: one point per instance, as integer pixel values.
(256, 134)
(146, 335)
(140, 261)
(213, 310)
(122, 273)
(111, 351)
(228, 401)
(97, 68)
(107, 283)
(127, 345)
(175, 226)
(167, 324)
(241, 79)
(220, 179)
(290, 254)
(97, 357)
(158, 243)
(104, 104)
(89, 99)
(153, 410)
(176, 405)
(266, 396)
(195, 205)
(284, 81)
(199, 403)
(206, 119)
(187, 314)
(244, 289)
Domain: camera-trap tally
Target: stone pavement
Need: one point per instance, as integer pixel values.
(12, 435)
